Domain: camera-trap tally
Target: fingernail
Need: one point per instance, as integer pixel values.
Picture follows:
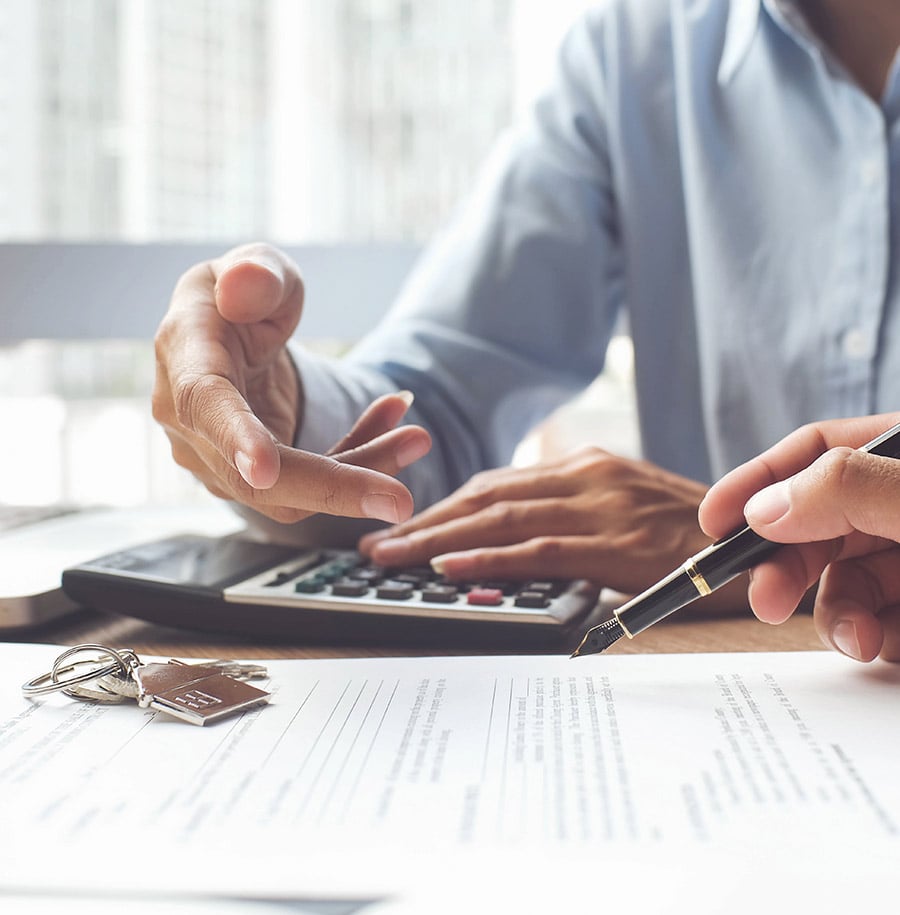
(408, 397)
(439, 563)
(380, 505)
(768, 504)
(367, 541)
(843, 637)
(412, 451)
(244, 464)
(258, 260)
(391, 552)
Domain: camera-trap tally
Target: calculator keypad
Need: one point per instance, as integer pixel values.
(345, 580)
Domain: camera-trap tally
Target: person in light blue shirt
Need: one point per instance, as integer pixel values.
(722, 173)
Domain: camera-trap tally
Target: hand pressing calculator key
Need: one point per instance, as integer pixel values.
(234, 584)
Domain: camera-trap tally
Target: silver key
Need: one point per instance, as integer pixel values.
(124, 684)
(194, 692)
(197, 693)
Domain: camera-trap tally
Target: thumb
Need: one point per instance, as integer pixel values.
(845, 490)
(257, 283)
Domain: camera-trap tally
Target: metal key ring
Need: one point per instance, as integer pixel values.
(50, 682)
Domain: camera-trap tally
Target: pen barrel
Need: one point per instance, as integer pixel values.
(887, 444)
(671, 594)
(731, 555)
(709, 569)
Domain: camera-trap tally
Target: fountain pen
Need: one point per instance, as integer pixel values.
(702, 574)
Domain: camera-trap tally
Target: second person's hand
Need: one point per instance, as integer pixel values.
(838, 507)
(230, 400)
(591, 514)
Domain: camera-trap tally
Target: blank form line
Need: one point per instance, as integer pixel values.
(487, 739)
(334, 743)
(501, 801)
(288, 726)
(343, 766)
(365, 760)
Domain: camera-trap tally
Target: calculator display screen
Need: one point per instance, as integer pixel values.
(203, 561)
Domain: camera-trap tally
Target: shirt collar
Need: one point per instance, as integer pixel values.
(743, 21)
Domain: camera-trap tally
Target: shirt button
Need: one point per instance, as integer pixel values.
(857, 343)
(870, 172)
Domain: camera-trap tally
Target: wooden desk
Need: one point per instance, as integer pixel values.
(676, 635)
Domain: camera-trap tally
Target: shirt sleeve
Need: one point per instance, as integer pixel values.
(509, 311)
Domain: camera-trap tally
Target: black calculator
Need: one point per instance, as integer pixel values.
(239, 585)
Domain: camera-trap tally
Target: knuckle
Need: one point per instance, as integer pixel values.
(192, 397)
(338, 480)
(836, 468)
(477, 494)
(159, 407)
(164, 335)
(546, 549)
(503, 514)
(590, 454)
(593, 460)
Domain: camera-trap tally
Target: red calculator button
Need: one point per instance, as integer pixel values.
(485, 597)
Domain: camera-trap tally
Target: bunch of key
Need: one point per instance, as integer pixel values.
(196, 693)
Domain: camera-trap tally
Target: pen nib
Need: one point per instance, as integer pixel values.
(599, 638)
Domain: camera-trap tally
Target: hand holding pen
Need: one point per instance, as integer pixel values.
(833, 490)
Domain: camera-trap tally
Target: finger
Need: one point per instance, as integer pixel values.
(382, 415)
(314, 483)
(842, 491)
(211, 469)
(204, 366)
(499, 524)
(211, 407)
(778, 586)
(890, 625)
(390, 452)
(494, 487)
(190, 460)
(855, 599)
(318, 483)
(257, 283)
(722, 508)
(536, 558)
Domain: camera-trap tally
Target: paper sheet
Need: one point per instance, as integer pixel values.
(361, 771)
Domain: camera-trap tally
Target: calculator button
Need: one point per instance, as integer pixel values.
(549, 588)
(533, 599)
(485, 597)
(416, 579)
(349, 588)
(440, 594)
(331, 573)
(394, 590)
(310, 586)
(368, 574)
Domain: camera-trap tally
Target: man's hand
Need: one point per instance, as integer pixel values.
(230, 401)
(842, 509)
(591, 515)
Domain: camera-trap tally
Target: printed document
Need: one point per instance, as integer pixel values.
(359, 766)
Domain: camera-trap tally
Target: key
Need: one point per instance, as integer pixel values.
(123, 684)
(197, 693)
(194, 693)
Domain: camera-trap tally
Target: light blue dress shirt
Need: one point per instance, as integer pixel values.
(704, 168)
